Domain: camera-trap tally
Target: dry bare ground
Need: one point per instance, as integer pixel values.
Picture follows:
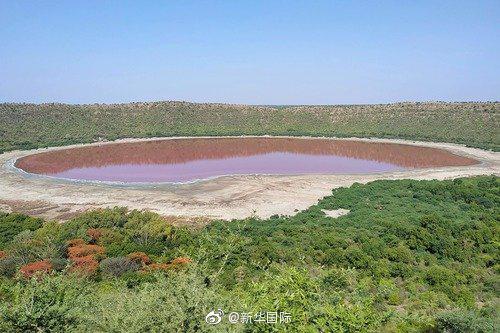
(228, 197)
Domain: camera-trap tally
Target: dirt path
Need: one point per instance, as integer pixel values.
(226, 197)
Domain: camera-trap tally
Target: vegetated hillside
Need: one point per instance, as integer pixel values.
(24, 126)
(411, 256)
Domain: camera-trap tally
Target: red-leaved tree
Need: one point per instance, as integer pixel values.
(35, 268)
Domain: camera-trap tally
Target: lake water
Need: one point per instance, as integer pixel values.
(184, 160)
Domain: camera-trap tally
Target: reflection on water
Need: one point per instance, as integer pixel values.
(180, 160)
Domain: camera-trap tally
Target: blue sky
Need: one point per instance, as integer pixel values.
(252, 52)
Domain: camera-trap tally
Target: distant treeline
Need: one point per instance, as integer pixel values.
(26, 126)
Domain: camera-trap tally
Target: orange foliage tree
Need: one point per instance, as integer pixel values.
(84, 265)
(94, 234)
(38, 267)
(85, 250)
(174, 264)
(75, 242)
(139, 257)
(85, 257)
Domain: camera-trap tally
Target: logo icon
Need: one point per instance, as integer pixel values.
(214, 317)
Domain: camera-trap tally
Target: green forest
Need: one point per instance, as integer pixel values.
(27, 126)
(410, 256)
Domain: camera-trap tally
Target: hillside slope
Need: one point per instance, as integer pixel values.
(25, 126)
(410, 256)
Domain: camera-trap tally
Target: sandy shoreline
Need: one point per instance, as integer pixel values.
(225, 197)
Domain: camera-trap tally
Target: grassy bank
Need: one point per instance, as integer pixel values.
(26, 126)
(411, 256)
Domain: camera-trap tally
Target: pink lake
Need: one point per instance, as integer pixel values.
(184, 160)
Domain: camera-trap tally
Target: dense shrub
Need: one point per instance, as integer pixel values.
(59, 264)
(47, 304)
(8, 266)
(157, 267)
(180, 261)
(177, 263)
(13, 224)
(173, 303)
(464, 321)
(118, 266)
